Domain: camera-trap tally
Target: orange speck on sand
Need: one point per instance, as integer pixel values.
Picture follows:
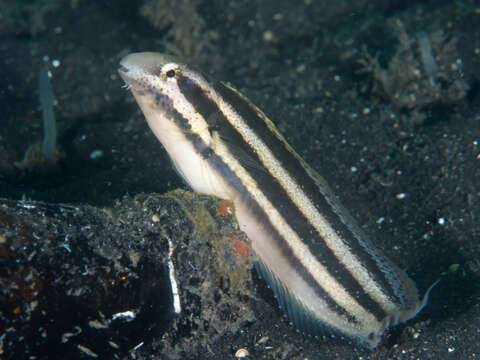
(241, 247)
(225, 208)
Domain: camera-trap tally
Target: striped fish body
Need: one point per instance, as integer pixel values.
(324, 272)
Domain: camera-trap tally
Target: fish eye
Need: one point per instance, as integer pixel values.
(169, 71)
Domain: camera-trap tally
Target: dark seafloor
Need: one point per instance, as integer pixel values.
(381, 98)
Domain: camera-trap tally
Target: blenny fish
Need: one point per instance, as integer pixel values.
(325, 273)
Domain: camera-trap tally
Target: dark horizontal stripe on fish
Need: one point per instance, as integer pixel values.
(278, 196)
(337, 218)
(165, 103)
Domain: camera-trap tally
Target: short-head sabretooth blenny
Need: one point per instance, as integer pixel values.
(325, 273)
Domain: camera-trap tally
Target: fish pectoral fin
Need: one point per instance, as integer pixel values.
(240, 154)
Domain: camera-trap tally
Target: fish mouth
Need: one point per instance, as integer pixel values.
(122, 69)
(127, 78)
